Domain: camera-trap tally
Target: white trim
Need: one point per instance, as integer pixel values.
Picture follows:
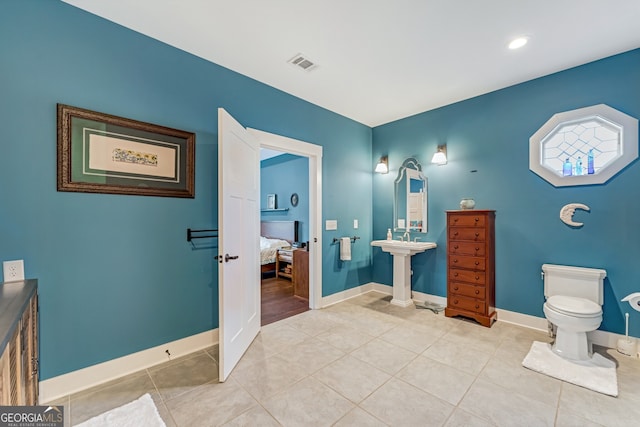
(349, 293)
(314, 153)
(82, 379)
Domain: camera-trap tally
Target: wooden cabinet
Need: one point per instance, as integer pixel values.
(301, 273)
(294, 264)
(284, 263)
(19, 333)
(471, 265)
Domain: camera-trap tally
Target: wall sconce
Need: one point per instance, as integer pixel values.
(383, 165)
(440, 156)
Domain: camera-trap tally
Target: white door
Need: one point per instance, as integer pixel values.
(239, 240)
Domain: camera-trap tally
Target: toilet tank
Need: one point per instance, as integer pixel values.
(574, 282)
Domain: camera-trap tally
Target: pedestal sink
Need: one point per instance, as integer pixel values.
(402, 253)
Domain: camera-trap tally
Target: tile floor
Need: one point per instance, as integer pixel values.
(364, 362)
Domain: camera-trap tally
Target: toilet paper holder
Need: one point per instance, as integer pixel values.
(633, 300)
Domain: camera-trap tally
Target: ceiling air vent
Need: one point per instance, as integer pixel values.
(302, 62)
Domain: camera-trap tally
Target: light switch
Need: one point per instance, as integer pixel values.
(355, 223)
(331, 224)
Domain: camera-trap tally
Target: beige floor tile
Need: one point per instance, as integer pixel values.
(384, 356)
(308, 403)
(313, 322)
(177, 378)
(256, 416)
(410, 338)
(352, 378)
(276, 336)
(312, 355)
(400, 404)
(442, 381)
(506, 408)
(599, 408)
(566, 419)
(513, 376)
(458, 355)
(401, 366)
(345, 338)
(359, 418)
(461, 418)
(210, 405)
(264, 379)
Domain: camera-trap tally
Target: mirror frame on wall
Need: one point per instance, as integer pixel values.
(410, 169)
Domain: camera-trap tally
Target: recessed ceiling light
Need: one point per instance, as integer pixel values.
(518, 43)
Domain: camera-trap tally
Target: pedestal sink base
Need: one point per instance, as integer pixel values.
(402, 253)
(401, 303)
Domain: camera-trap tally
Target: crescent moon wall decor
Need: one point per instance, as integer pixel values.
(567, 211)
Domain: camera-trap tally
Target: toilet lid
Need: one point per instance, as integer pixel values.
(574, 305)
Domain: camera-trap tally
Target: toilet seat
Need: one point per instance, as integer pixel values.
(574, 306)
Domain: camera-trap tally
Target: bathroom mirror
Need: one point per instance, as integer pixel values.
(410, 201)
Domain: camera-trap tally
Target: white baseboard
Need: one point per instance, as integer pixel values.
(82, 379)
(602, 338)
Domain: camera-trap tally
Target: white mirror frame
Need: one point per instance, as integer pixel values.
(627, 151)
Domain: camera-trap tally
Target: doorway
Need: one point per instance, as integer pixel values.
(314, 155)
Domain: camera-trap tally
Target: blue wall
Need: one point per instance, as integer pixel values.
(116, 274)
(487, 140)
(284, 175)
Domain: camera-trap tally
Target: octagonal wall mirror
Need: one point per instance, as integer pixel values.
(410, 201)
(585, 146)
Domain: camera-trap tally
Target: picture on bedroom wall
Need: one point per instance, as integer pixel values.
(271, 201)
(101, 153)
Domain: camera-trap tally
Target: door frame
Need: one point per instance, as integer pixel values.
(314, 153)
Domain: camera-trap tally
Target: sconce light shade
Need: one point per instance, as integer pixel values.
(383, 165)
(440, 156)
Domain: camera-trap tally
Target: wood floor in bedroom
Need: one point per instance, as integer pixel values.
(278, 300)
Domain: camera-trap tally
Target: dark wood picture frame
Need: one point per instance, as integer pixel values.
(102, 153)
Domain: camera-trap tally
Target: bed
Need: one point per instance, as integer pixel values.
(275, 235)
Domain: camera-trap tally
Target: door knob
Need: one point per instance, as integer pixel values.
(228, 257)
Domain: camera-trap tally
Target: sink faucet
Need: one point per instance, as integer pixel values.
(407, 235)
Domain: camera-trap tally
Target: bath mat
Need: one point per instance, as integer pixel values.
(139, 413)
(598, 374)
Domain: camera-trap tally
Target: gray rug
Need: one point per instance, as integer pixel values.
(597, 374)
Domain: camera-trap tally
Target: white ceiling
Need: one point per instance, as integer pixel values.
(382, 60)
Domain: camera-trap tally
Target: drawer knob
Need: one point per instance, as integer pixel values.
(455, 247)
(477, 277)
(455, 234)
(477, 262)
(477, 248)
(455, 301)
(477, 219)
(455, 289)
(477, 306)
(455, 260)
(455, 274)
(477, 234)
(477, 292)
(455, 219)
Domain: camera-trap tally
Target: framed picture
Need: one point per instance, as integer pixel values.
(271, 201)
(101, 153)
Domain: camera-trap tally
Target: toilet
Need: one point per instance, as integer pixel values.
(574, 298)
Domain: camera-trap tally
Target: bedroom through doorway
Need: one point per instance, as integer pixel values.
(290, 198)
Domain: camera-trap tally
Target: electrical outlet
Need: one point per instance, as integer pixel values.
(13, 270)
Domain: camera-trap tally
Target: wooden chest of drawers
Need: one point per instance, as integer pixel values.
(471, 265)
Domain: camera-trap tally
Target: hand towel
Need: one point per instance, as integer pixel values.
(345, 249)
